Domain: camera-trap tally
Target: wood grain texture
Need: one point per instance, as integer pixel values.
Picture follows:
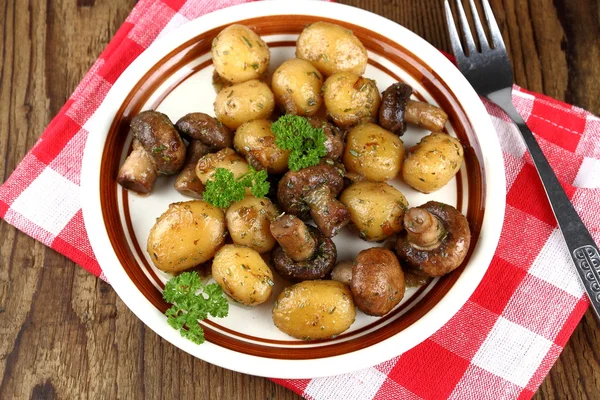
(65, 334)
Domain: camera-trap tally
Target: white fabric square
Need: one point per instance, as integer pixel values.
(589, 174)
(554, 265)
(175, 22)
(50, 201)
(510, 137)
(362, 384)
(512, 352)
(524, 103)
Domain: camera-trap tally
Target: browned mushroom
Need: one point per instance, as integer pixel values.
(303, 252)
(397, 109)
(335, 139)
(377, 281)
(436, 239)
(157, 150)
(187, 182)
(313, 191)
(206, 135)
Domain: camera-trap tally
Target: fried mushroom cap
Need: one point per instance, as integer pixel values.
(316, 267)
(312, 191)
(429, 250)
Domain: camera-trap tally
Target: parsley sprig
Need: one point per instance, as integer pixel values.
(223, 189)
(193, 301)
(305, 142)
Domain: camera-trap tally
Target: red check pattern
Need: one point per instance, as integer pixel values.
(501, 344)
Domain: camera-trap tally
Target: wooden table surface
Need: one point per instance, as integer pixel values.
(65, 334)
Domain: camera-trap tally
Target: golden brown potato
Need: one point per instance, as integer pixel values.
(350, 98)
(297, 87)
(243, 274)
(239, 54)
(244, 102)
(373, 152)
(187, 234)
(377, 281)
(376, 209)
(255, 141)
(248, 222)
(432, 162)
(226, 158)
(331, 48)
(314, 309)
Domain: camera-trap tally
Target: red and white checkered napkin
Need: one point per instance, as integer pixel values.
(501, 344)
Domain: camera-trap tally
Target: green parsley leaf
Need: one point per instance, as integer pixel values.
(305, 142)
(192, 301)
(223, 189)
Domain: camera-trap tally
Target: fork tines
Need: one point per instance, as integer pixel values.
(496, 36)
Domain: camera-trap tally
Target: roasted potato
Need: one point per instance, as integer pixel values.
(376, 209)
(243, 274)
(314, 309)
(331, 48)
(226, 158)
(239, 54)
(248, 222)
(255, 141)
(244, 102)
(297, 87)
(377, 281)
(373, 152)
(187, 234)
(350, 98)
(432, 162)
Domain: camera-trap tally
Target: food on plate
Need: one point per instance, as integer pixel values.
(314, 309)
(297, 85)
(187, 234)
(255, 141)
(331, 48)
(397, 109)
(206, 129)
(373, 152)
(232, 160)
(313, 191)
(334, 139)
(436, 240)
(192, 301)
(239, 54)
(248, 222)
(350, 98)
(244, 102)
(431, 163)
(376, 209)
(157, 150)
(225, 159)
(224, 188)
(305, 141)
(342, 272)
(377, 281)
(294, 237)
(304, 252)
(243, 274)
(187, 182)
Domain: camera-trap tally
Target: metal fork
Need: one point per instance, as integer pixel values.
(490, 73)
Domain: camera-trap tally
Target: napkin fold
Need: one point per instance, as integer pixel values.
(504, 340)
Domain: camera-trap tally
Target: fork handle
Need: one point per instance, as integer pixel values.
(580, 243)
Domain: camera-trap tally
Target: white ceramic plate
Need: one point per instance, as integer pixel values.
(174, 77)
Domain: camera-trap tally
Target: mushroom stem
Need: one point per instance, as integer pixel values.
(138, 173)
(294, 237)
(187, 182)
(425, 115)
(329, 213)
(424, 230)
